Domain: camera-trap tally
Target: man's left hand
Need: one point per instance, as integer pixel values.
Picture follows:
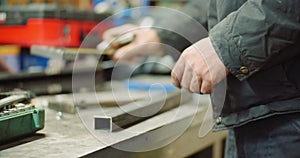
(199, 68)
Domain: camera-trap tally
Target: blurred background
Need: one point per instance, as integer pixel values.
(34, 33)
(57, 23)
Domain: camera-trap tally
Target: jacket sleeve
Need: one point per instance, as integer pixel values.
(261, 33)
(179, 26)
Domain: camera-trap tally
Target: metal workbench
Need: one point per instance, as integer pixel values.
(66, 136)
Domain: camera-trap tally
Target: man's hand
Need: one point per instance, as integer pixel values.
(146, 43)
(199, 68)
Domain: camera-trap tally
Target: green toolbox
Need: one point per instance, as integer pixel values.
(18, 117)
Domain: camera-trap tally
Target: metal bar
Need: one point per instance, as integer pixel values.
(129, 114)
(45, 83)
(72, 53)
(12, 99)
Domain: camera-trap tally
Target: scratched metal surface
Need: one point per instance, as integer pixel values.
(68, 137)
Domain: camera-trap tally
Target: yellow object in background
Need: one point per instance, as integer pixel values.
(9, 50)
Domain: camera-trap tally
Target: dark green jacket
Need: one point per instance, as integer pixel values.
(259, 42)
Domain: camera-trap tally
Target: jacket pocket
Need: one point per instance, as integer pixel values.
(273, 85)
(264, 87)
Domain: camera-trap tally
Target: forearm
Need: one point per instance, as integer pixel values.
(258, 35)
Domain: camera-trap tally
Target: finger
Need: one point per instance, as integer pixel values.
(127, 52)
(109, 52)
(177, 72)
(114, 44)
(111, 34)
(206, 87)
(175, 82)
(196, 84)
(187, 78)
(128, 62)
(123, 53)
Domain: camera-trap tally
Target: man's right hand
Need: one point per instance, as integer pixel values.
(145, 43)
